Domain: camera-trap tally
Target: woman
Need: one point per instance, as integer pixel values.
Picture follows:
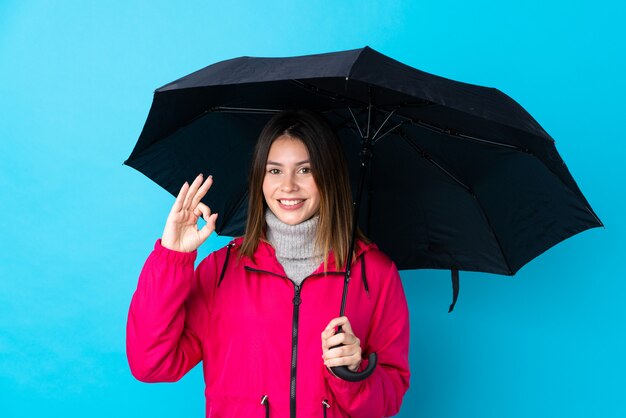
(254, 311)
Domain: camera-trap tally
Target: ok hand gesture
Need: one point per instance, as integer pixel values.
(181, 231)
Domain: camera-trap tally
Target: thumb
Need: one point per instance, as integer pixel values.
(210, 219)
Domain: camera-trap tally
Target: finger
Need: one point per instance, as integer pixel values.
(330, 329)
(202, 210)
(327, 342)
(353, 360)
(353, 365)
(342, 351)
(341, 321)
(346, 326)
(335, 322)
(327, 333)
(178, 204)
(209, 227)
(343, 338)
(192, 191)
(202, 191)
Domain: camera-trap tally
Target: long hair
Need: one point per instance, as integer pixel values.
(330, 173)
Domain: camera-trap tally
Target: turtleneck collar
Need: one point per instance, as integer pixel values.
(292, 241)
(294, 245)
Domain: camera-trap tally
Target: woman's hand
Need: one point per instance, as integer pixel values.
(349, 354)
(181, 231)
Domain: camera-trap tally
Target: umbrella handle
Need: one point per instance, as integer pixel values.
(346, 374)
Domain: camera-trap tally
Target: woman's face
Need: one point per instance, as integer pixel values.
(288, 186)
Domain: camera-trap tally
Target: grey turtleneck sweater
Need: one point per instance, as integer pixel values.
(294, 245)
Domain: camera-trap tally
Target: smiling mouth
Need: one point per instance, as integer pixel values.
(290, 202)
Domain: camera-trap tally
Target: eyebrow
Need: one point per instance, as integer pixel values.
(280, 165)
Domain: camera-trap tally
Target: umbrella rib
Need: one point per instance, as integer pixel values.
(341, 98)
(449, 132)
(486, 141)
(326, 93)
(375, 137)
(388, 132)
(453, 134)
(356, 122)
(345, 121)
(428, 158)
(430, 127)
(383, 124)
(226, 109)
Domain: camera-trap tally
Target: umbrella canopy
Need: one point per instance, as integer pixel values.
(460, 176)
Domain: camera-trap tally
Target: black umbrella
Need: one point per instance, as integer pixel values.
(453, 175)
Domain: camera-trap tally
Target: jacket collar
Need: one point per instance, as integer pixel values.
(265, 258)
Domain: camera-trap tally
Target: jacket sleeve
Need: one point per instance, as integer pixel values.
(162, 344)
(380, 395)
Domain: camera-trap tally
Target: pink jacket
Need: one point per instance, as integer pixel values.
(258, 335)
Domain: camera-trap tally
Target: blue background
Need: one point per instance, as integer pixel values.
(76, 83)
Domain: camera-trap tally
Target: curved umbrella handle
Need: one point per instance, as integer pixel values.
(346, 374)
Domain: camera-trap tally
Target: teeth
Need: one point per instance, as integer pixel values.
(290, 202)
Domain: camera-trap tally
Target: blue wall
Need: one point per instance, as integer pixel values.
(76, 82)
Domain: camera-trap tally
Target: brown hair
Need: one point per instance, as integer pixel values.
(329, 172)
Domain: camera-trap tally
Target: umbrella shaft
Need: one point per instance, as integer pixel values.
(365, 159)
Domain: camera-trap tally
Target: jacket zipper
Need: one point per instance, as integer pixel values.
(294, 330)
(294, 347)
(325, 406)
(294, 339)
(265, 400)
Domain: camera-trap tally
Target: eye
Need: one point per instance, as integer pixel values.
(305, 170)
(273, 171)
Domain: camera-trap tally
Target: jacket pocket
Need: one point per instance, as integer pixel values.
(228, 406)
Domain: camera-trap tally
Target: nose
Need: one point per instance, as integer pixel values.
(289, 183)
